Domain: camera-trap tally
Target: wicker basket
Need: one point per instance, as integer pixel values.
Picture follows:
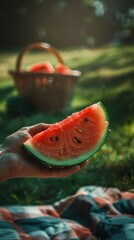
(48, 92)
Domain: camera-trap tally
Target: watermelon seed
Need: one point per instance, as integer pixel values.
(77, 140)
(86, 120)
(51, 139)
(57, 138)
(80, 130)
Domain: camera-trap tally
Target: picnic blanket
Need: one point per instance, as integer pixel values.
(92, 213)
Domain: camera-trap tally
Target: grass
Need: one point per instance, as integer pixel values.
(107, 76)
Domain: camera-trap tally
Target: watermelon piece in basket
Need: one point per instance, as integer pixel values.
(73, 140)
(42, 67)
(62, 69)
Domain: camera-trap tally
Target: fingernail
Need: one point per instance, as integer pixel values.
(78, 167)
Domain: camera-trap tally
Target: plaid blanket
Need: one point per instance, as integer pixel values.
(92, 213)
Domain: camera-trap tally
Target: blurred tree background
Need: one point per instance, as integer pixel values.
(66, 22)
(95, 37)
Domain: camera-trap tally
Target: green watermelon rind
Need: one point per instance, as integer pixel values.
(71, 161)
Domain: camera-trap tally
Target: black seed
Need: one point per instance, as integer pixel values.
(57, 138)
(77, 140)
(51, 139)
(86, 120)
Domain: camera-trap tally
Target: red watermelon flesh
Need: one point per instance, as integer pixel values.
(42, 67)
(62, 69)
(73, 140)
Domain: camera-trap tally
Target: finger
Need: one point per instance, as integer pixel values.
(84, 164)
(37, 128)
(63, 172)
(70, 170)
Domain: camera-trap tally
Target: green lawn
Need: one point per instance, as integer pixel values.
(107, 76)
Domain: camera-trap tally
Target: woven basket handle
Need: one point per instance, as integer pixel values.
(39, 45)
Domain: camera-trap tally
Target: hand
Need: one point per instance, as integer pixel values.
(15, 162)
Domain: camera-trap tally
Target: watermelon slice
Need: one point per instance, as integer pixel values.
(62, 69)
(42, 67)
(73, 140)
